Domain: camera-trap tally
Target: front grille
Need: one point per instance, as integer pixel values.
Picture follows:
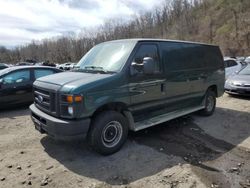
(242, 85)
(45, 100)
(246, 85)
(240, 91)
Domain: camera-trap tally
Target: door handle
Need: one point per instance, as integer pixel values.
(163, 87)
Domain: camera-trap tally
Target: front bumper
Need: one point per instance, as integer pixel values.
(53, 126)
(234, 90)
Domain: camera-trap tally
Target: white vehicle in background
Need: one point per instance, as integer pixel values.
(240, 59)
(64, 66)
(60, 66)
(231, 67)
(247, 60)
(73, 66)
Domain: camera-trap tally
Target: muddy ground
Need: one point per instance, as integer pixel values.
(191, 151)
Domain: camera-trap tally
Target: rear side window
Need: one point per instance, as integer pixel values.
(230, 63)
(185, 56)
(181, 56)
(147, 50)
(17, 77)
(42, 72)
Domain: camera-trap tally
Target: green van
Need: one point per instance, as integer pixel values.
(127, 85)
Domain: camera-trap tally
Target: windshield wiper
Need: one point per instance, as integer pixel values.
(93, 67)
(97, 69)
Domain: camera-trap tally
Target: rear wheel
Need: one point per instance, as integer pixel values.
(108, 132)
(210, 103)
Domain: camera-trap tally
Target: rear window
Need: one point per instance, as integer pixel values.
(42, 72)
(230, 63)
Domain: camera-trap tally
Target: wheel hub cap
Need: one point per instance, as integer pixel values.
(112, 133)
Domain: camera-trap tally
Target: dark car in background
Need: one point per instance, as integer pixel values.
(239, 84)
(16, 83)
(3, 66)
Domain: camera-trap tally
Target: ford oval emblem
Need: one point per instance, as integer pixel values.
(40, 98)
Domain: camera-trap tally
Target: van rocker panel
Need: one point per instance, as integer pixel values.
(58, 127)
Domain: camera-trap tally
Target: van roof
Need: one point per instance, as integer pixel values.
(160, 40)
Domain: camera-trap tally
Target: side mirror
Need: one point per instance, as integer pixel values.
(148, 65)
(136, 68)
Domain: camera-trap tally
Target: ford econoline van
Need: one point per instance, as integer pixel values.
(128, 85)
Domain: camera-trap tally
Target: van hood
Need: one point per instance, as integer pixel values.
(72, 79)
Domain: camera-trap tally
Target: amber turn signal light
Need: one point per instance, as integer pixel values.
(78, 98)
(71, 99)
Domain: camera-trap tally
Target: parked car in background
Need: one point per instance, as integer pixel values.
(59, 66)
(24, 64)
(72, 66)
(16, 83)
(3, 66)
(47, 63)
(241, 59)
(247, 60)
(239, 84)
(231, 67)
(66, 66)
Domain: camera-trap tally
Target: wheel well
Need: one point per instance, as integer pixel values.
(116, 106)
(214, 89)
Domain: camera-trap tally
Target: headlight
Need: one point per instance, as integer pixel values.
(70, 105)
(70, 110)
(229, 82)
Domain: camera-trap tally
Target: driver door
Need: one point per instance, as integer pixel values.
(16, 87)
(146, 91)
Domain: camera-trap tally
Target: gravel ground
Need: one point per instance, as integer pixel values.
(191, 151)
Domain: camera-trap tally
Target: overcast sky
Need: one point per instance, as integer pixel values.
(24, 20)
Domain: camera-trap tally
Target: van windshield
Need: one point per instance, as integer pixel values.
(106, 57)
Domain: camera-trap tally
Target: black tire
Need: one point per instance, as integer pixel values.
(108, 132)
(210, 104)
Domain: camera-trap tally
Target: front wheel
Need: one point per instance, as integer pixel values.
(108, 132)
(210, 103)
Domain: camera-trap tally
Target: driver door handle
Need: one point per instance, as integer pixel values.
(163, 87)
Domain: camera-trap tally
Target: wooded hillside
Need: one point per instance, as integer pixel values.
(222, 22)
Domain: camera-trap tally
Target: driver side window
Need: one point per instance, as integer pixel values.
(17, 77)
(147, 50)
